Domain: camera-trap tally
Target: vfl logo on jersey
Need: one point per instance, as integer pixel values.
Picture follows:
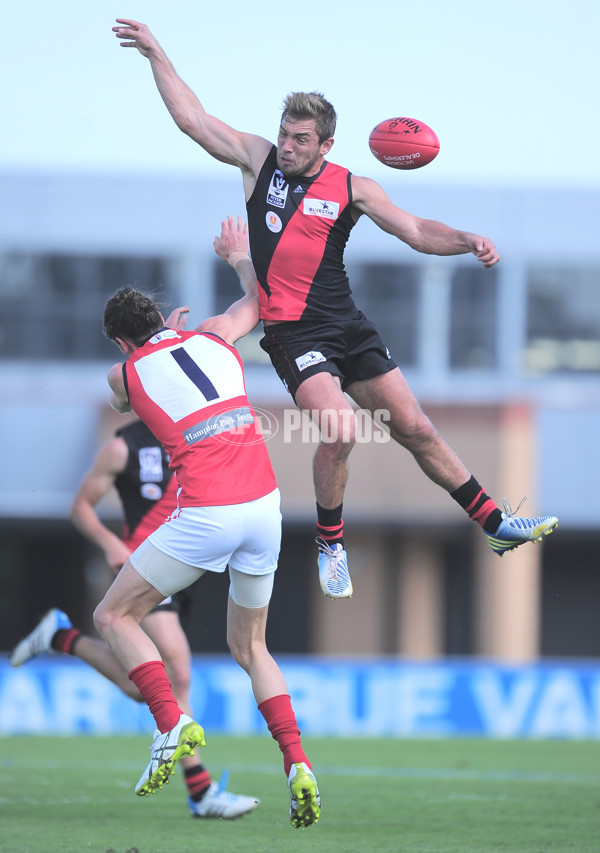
(278, 190)
(273, 222)
(318, 207)
(308, 359)
(150, 461)
(163, 336)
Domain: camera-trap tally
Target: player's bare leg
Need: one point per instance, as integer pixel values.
(206, 798)
(411, 428)
(117, 619)
(101, 657)
(246, 638)
(321, 397)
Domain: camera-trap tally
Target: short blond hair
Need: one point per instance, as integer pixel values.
(298, 105)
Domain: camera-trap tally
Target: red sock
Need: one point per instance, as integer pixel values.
(197, 780)
(64, 640)
(281, 720)
(151, 680)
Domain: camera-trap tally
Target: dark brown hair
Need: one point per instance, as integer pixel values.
(133, 315)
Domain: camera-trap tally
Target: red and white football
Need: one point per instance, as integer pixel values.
(404, 143)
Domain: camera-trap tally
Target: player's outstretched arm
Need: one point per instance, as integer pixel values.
(244, 150)
(243, 315)
(424, 235)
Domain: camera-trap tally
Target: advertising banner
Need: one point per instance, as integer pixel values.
(332, 697)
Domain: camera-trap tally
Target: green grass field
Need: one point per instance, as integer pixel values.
(69, 795)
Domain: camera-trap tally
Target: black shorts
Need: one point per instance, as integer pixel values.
(349, 348)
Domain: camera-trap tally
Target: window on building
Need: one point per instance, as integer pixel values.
(563, 320)
(473, 319)
(52, 304)
(388, 294)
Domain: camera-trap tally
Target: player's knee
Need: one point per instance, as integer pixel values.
(414, 433)
(102, 619)
(338, 432)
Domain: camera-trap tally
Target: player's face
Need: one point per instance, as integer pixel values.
(299, 152)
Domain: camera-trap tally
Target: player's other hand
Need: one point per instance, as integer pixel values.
(116, 555)
(233, 238)
(485, 251)
(135, 35)
(178, 318)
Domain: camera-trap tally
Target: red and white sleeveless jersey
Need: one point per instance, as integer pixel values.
(189, 389)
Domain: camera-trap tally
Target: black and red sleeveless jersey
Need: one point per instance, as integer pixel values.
(147, 487)
(298, 233)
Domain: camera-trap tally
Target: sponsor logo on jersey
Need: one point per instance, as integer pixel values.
(299, 189)
(278, 190)
(151, 491)
(309, 358)
(224, 422)
(273, 222)
(318, 207)
(164, 336)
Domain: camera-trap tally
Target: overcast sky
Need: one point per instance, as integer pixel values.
(511, 88)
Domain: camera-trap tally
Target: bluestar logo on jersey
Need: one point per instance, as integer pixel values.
(318, 207)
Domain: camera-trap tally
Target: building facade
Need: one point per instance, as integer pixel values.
(505, 361)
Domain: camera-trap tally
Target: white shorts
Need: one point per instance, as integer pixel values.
(166, 573)
(246, 536)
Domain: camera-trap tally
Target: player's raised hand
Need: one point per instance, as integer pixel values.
(135, 35)
(178, 318)
(233, 240)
